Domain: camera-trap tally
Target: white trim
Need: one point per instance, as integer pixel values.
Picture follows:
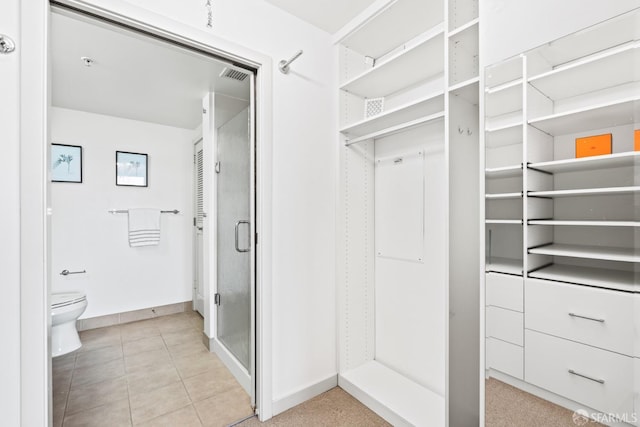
(35, 353)
(34, 101)
(232, 364)
(304, 394)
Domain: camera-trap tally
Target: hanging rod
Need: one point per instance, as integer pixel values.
(284, 64)
(116, 211)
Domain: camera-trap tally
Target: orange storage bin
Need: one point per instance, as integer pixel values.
(596, 145)
(636, 140)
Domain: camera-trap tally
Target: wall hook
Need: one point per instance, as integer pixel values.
(284, 64)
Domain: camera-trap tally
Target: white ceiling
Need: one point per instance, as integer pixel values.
(135, 77)
(328, 15)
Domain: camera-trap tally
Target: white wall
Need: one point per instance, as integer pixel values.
(304, 135)
(85, 236)
(510, 27)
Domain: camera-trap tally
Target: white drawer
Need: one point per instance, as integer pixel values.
(506, 325)
(556, 308)
(504, 357)
(503, 290)
(549, 360)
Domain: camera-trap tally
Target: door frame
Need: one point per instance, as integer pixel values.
(32, 46)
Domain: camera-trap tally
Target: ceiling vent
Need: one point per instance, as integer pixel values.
(233, 74)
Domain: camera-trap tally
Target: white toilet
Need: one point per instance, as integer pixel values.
(66, 307)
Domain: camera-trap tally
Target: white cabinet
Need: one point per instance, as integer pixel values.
(566, 226)
(597, 317)
(597, 378)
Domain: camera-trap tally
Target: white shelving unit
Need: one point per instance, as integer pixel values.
(412, 110)
(599, 277)
(578, 237)
(591, 252)
(404, 69)
(421, 58)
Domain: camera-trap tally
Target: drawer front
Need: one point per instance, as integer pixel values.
(505, 357)
(506, 325)
(503, 290)
(549, 360)
(597, 317)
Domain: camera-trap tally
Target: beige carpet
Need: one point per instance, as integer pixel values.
(507, 406)
(333, 408)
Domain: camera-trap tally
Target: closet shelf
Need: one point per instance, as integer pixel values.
(599, 116)
(469, 90)
(508, 86)
(403, 69)
(607, 161)
(600, 277)
(587, 223)
(507, 100)
(504, 221)
(508, 135)
(393, 26)
(465, 27)
(504, 74)
(515, 125)
(504, 265)
(413, 110)
(585, 192)
(397, 128)
(605, 253)
(408, 401)
(504, 172)
(503, 196)
(602, 70)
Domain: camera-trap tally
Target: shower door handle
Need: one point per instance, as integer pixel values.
(237, 244)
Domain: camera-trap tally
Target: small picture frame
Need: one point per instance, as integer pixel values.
(66, 163)
(131, 169)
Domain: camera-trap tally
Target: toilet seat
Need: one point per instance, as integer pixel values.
(66, 298)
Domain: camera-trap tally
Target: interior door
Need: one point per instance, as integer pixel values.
(198, 226)
(235, 244)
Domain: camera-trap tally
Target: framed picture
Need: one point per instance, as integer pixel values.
(66, 163)
(131, 169)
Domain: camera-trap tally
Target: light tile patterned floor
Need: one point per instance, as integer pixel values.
(153, 372)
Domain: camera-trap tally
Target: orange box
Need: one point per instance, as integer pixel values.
(596, 145)
(636, 140)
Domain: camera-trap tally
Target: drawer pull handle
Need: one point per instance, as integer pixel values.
(572, 372)
(586, 317)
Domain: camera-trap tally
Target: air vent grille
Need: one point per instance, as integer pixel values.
(234, 74)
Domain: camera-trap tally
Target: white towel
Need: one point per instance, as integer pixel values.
(144, 227)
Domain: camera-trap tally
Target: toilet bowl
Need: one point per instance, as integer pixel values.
(66, 307)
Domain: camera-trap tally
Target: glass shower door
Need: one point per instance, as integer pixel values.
(234, 245)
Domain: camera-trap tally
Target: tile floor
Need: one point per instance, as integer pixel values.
(153, 372)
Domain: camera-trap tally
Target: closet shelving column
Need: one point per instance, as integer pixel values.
(393, 60)
(505, 213)
(582, 231)
(463, 151)
(585, 233)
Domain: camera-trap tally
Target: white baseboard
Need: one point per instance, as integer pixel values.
(302, 395)
(232, 364)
